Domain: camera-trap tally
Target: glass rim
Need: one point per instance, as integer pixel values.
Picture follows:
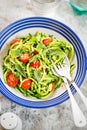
(74, 4)
(46, 4)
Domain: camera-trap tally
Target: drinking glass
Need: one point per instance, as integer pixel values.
(44, 7)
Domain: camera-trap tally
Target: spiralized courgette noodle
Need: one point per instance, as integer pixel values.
(44, 82)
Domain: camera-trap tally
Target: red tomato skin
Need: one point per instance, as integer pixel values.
(47, 41)
(35, 64)
(11, 79)
(25, 57)
(26, 84)
(15, 41)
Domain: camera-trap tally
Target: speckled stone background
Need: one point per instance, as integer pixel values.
(58, 117)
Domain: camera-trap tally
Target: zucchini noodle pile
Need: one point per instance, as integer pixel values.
(44, 82)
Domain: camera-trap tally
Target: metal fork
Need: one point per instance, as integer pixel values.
(64, 72)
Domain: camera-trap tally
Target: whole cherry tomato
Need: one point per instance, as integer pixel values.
(47, 41)
(12, 79)
(26, 84)
(35, 64)
(25, 57)
(15, 41)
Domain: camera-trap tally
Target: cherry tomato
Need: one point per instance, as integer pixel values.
(25, 57)
(35, 64)
(26, 84)
(53, 86)
(12, 80)
(15, 41)
(47, 41)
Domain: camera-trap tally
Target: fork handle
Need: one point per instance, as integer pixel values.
(78, 116)
(84, 99)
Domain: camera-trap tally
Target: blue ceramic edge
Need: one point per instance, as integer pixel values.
(86, 63)
(33, 106)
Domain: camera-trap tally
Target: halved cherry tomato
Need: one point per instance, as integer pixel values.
(35, 52)
(25, 57)
(15, 41)
(26, 84)
(47, 41)
(35, 64)
(53, 86)
(12, 80)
